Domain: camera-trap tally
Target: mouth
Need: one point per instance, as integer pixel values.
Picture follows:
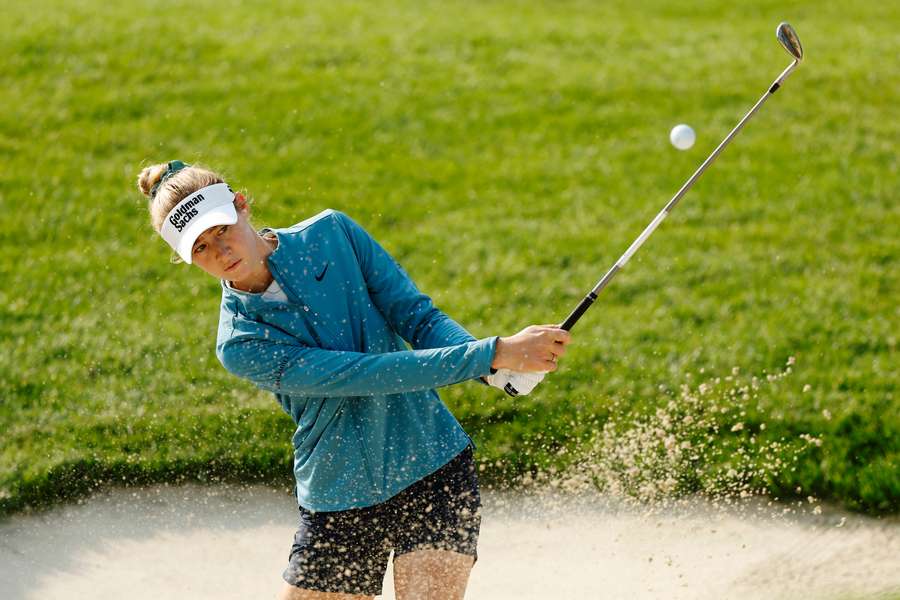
(233, 265)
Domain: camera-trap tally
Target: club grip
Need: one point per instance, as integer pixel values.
(579, 310)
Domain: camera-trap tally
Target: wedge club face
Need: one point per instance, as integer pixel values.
(788, 38)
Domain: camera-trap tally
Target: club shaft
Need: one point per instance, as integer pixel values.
(623, 260)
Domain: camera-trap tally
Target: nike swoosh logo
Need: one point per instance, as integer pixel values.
(322, 274)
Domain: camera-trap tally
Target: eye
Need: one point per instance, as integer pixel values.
(223, 229)
(199, 248)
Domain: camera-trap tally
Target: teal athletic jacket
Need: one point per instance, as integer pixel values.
(369, 421)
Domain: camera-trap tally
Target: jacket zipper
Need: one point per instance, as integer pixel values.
(356, 429)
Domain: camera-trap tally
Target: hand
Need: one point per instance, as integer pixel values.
(534, 349)
(513, 383)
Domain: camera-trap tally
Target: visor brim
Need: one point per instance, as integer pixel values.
(224, 214)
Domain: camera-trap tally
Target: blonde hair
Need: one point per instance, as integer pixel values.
(173, 190)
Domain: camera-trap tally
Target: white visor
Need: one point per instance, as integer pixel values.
(205, 208)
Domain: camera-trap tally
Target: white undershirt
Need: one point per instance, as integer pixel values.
(273, 293)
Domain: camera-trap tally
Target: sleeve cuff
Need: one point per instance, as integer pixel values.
(492, 347)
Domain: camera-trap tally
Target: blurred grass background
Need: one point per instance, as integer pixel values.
(506, 153)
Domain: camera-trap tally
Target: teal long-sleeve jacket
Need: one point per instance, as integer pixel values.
(369, 421)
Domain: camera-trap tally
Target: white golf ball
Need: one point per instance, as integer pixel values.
(682, 136)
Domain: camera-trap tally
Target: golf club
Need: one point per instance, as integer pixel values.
(788, 38)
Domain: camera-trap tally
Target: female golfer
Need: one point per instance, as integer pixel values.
(318, 313)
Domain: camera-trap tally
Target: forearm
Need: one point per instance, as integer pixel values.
(437, 330)
(305, 371)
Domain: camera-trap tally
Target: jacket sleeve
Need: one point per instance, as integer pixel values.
(409, 312)
(276, 361)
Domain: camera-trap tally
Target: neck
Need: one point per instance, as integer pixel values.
(260, 277)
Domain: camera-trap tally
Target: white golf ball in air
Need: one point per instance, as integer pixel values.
(682, 136)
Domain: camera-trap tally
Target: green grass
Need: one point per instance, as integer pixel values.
(506, 153)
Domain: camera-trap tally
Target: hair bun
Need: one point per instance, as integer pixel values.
(149, 177)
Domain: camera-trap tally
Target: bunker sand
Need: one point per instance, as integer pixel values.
(232, 542)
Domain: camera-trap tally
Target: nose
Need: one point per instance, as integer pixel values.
(221, 249)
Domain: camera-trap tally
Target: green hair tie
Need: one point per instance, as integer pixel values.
(173, 167)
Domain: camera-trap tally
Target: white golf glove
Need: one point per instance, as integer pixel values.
(513, 382)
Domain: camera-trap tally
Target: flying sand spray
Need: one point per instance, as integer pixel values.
(788, 38)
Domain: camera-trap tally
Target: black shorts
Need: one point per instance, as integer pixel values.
(347, 551)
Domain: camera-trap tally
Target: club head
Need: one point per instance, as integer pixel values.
(788, 38)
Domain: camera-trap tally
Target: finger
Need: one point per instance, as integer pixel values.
(552, 331)
(558, 349)
(536, 364)
(560, 336)
(553, 327)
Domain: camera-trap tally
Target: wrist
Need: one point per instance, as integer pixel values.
(499, 354)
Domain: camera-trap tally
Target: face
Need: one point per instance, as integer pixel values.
(231, 252)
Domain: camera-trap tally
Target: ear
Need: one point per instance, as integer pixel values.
(241, 204)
